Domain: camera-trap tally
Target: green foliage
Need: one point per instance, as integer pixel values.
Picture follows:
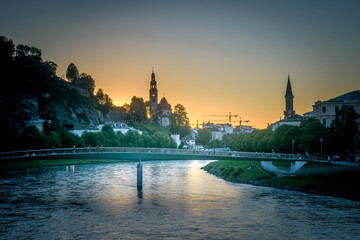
(86, 82)
(179, 122)
(133, 139)
(69, 140)
(54, 140)
(137, 110)
(31, 75)
(163, 140)
(91, 139)
(32, 138)
(239, 171)
(306, 138)
(46, 127)
(312, 132)
(344, 132)
(72, 73)
(204, 137)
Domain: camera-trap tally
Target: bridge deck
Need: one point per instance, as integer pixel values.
(144, 154)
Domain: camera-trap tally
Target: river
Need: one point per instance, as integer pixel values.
(178, 201)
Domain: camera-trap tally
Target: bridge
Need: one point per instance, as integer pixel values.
(127, 153)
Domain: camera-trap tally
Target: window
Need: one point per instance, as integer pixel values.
(324, 109)
(324, 122)
(336, 109)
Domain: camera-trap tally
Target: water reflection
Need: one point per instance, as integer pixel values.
(178, 200)
(140, 193)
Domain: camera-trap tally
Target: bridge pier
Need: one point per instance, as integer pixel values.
(139, 174)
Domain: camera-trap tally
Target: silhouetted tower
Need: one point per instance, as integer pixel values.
(289, 99)
(153, 92)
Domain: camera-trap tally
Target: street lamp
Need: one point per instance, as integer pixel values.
(293, 141)
(321, 140)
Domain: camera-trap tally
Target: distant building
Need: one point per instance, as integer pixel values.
(79, 129)
(218, 130)
(244, 129)
(325, 111)
(188, 141)
(176, 138)
(227, 128)
(162, 110)
(290, 117)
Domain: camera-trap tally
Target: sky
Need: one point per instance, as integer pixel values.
(213, 57)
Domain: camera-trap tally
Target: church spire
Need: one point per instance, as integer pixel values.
(288, 88)
(289, 97)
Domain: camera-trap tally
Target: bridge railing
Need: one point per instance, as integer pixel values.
(44, 152)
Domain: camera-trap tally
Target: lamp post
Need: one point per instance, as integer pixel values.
(321, 140)
(293, 141)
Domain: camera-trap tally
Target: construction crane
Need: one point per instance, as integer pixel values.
(246, 121)
(229, 116)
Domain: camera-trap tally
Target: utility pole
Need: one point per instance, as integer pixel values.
(321, 140)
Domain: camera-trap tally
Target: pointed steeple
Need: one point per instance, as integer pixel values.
(288, 88)
(153, 92)
(289, 97)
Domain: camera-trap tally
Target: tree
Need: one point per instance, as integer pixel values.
(293, 133)
(100, 96)
(133, 139)
(55, 125)
(50, 68)
(312, 132)
(137, 110)
(204, 137)
(46, 127)
(67, 139)
(72, 73)
(179, 123)
(163, 140)
(344, 131)
(7, 50)
(91, 139)
(85, 81)
(54, 140)
(149, 110)
(180, 111)
(108, 100)
(32, 138)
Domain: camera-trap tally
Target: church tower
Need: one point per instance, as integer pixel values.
(289, 98)
(153, 92)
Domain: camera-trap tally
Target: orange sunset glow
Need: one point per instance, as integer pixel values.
(212, 57)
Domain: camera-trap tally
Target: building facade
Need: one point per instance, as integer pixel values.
(325, 111)
(163, 112)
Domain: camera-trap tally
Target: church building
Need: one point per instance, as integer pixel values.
(290, 118)
(162, 111)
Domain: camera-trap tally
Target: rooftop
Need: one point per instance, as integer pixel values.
(354, 95)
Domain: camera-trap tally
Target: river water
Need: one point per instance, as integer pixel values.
(178, 201)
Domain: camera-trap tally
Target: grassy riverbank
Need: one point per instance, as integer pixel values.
(343, 184)
(8, 165)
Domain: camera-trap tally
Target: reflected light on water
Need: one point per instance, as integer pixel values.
(178, 200)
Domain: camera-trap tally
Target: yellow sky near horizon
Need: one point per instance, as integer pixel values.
(213, 57)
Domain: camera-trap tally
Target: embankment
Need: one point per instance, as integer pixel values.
(342, 184)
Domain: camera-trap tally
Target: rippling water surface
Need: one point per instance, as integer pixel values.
(178, 201)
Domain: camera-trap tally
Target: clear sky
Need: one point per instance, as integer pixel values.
(214, 57)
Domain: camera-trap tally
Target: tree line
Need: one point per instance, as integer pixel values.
(310, 137)
(32, 138)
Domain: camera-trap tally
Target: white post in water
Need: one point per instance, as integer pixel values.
(139, 174)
